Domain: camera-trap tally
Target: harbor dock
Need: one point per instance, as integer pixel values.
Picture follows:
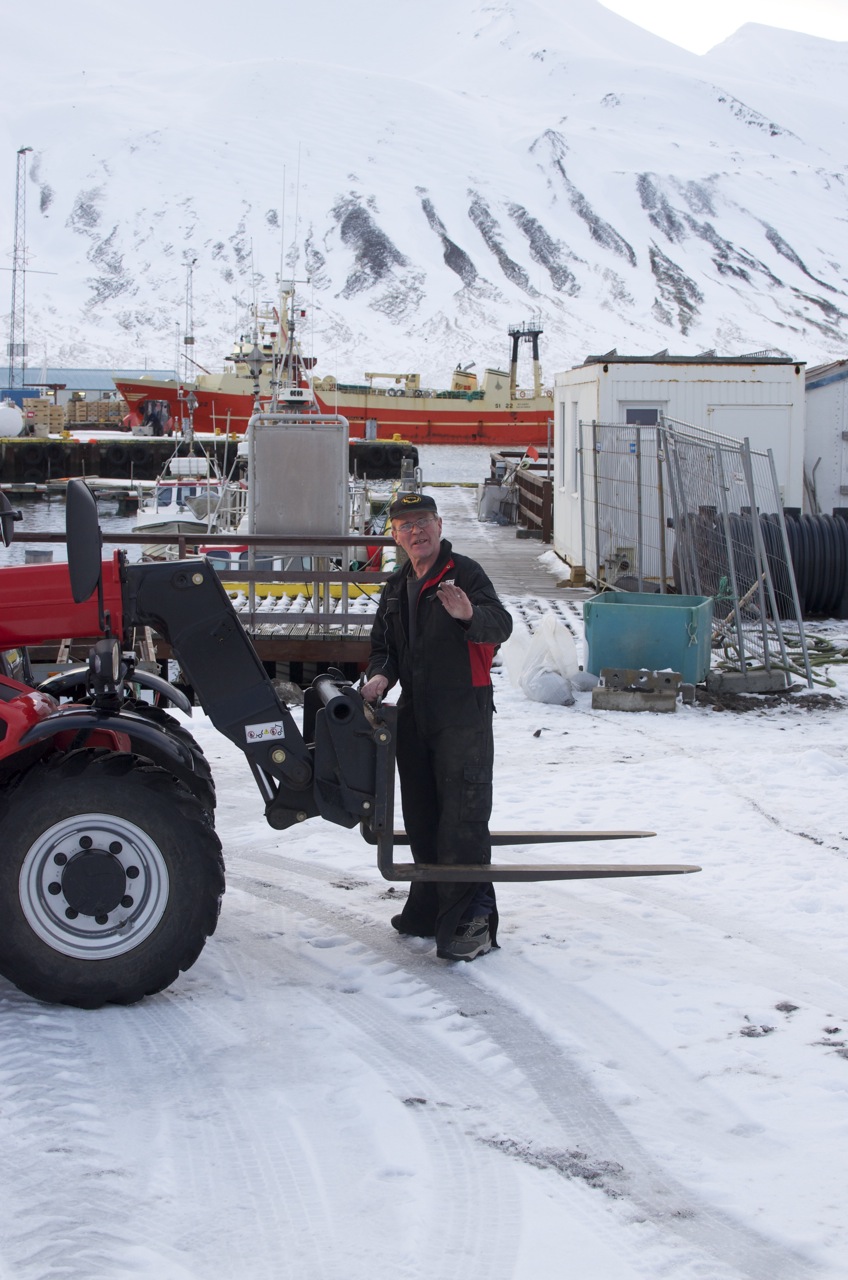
(301, 628)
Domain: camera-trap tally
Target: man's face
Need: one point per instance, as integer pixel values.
(419, 535)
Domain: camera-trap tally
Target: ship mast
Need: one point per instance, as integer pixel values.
(188, 338)
(528, 331)
(187, 399)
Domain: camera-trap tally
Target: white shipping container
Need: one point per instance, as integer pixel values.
(758, 398)
(826, 454)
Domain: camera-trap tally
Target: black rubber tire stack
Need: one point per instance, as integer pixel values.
(31, 459)
(380, 459)
(819, 546)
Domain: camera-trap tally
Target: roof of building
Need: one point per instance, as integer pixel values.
(705, 357)
(822, 375)
(87, 379)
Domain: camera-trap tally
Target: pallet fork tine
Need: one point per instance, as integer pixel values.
(378, 829)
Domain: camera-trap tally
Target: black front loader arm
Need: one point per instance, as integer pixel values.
(186, 604)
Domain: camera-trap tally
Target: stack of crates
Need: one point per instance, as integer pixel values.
(78, 411)
(107, 412)
(101, 413)
(45, 414)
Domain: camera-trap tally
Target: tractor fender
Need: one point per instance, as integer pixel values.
(125, 731)
(64, 681)
(163, 689)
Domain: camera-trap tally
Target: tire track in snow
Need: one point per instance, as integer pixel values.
(583, 1117)
(236, 1190)
(470, 1204)
(458, 1084)
(66, 1195)
(229, 1181)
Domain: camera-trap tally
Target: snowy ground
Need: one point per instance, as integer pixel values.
(649, 1079)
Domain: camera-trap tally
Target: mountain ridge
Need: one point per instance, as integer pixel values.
(513, 170)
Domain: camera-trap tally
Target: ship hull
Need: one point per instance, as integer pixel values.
(437, 420)
(453, 419)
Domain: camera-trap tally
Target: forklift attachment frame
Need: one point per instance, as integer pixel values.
(379, 829)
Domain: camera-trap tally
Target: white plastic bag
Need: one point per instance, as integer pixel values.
(549, 661)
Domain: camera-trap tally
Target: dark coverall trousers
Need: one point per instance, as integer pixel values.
(446, 797)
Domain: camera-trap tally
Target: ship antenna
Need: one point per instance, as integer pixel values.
(255, 301)
(188, 336)
(296, 215)
(283, 232)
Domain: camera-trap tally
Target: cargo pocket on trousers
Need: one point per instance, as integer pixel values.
(476, 794)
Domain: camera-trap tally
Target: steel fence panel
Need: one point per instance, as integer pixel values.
(727, 538)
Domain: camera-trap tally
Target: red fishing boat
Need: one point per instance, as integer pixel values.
(267, 363)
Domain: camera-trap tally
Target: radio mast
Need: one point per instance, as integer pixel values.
(17, 320)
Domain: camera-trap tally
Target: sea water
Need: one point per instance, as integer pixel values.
(439, 464)
(42, 515)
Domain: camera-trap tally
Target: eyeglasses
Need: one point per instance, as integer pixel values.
(409, 525)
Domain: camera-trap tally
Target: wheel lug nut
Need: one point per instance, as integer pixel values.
(116, 847)
(54, 888)
(86, 842)
(101, 919)
(126, 901)
(71, 914)
(132, 873)
(60, 859)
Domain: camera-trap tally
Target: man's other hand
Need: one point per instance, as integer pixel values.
(374, 688)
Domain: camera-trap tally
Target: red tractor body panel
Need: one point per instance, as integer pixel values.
(22, 708)
(21, 711)
(36, 605)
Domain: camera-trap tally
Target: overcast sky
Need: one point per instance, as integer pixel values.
(699, 27)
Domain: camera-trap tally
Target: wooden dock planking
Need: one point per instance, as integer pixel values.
(511, 562)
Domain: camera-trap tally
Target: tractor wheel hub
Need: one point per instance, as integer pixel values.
(94, 882)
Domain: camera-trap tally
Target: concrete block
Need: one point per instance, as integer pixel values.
(605, 698)
(633, 689)
(748, 681)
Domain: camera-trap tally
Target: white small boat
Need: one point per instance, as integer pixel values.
(191, 499)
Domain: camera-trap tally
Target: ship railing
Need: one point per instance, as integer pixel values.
(347, 388)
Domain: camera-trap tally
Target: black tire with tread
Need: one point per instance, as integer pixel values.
(137, 792)
(202, 783)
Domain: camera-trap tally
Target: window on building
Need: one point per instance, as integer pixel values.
(642, 417)
(560, 452)
(575, 452)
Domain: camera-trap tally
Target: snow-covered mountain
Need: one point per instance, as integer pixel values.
(436, 174)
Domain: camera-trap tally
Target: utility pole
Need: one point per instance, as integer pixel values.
(17, 322)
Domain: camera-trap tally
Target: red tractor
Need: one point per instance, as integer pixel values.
(111, 874)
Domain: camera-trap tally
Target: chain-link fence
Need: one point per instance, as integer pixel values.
(671, 507)
(627, 541)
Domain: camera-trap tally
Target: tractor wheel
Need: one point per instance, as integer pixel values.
(111, 879)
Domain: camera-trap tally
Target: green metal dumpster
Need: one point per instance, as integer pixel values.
(649, 631)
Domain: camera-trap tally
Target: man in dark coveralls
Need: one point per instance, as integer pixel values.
(437, 627)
